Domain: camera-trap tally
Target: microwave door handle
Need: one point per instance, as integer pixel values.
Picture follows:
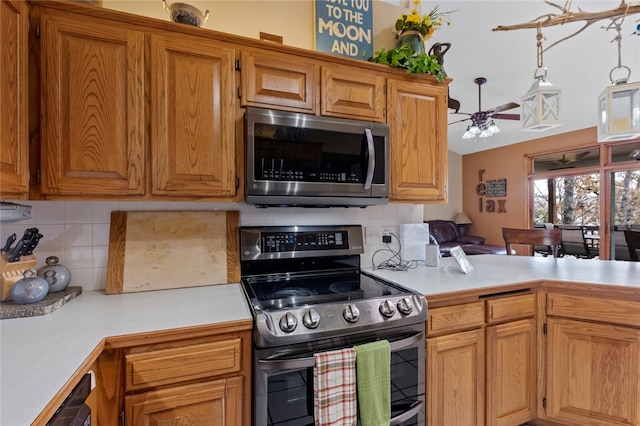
(371, 150)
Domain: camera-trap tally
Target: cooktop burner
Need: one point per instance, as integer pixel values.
(293, 292)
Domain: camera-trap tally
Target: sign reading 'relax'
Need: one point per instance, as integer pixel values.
(344, 27)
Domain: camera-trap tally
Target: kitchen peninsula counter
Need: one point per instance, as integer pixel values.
(496, 273)
(38, 355)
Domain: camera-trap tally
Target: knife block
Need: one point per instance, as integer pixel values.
(12, 272)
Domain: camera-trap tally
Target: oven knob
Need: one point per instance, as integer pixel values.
(405, 306)
(288, 323)
(387, 309)
(311, 319)
(351, 313)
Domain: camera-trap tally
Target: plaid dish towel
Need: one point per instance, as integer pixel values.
(334, 388)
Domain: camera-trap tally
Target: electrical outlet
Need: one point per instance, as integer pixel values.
(386, 239)
(388, 230)
(371, 235)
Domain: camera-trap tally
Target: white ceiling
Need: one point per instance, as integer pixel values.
(580, 66)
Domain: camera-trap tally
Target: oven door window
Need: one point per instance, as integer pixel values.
(290, 394)
(284, 153)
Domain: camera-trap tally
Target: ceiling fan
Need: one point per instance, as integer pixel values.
(482, 124)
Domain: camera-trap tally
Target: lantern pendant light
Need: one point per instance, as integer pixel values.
(619, 104)
(541, 104)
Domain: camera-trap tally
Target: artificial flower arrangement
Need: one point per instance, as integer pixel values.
(404, 55)
(424, 24)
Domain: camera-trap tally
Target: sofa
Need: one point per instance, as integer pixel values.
(447, 235)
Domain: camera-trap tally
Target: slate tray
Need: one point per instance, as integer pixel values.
(50, 303)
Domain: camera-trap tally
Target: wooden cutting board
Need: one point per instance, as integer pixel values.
(156, 250)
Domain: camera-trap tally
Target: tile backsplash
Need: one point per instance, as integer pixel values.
(77, 232)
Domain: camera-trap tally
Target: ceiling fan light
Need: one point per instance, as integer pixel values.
(474, 129)
(468, 134)
(540, 106)
(619, 112)
(485, 133)
(493, 128)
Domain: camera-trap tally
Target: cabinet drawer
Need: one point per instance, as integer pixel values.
(594, 308)
(510, 308)
(167, 366)
(453, 318)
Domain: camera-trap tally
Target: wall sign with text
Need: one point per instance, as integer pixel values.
(344, 27)
(491, 188)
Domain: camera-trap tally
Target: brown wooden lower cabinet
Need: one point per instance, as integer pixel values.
(455, 379)
(175, 377)
(511, 372)
(593, 368)
(481, 362)
(216, 403)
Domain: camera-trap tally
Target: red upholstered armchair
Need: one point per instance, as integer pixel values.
(447, 235)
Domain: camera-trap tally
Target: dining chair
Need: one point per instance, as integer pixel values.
(532, 238)
(574, 244)
(633, 242)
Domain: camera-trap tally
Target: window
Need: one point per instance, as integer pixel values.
(567, 200)
(567, 160)
(568, 188)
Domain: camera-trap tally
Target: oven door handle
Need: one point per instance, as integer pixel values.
(412, 411)
(308, 362)
(371, 166)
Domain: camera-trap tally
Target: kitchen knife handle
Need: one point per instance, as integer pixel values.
(32, 244)
(17, 252)
(10, 240)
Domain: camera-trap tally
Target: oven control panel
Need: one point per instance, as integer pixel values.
(301, 241)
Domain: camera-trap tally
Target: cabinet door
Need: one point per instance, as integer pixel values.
(352, 93)
(417, 115)
(593, 373)
(286, 82)
(511, 373)
(14, 149)
(92, 106)
(216, 403)
(193, 117)
(455, 379)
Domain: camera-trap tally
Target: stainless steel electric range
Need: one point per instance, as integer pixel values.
(308, 295)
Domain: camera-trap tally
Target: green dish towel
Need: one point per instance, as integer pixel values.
(373, 379)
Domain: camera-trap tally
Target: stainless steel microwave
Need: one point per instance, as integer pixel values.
(298, 159)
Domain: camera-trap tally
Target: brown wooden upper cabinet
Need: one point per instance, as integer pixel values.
(102, 137)
(14, 133)
(92, 106)
(417, 116)
(192, 117)
(281, 81)
(353, 92)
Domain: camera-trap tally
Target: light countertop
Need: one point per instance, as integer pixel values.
(38, 355)
(495, 271)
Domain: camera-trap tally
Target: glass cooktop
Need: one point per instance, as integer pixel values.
(286, 291)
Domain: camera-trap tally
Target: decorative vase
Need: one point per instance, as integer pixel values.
(412, 38)
(185, 14)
